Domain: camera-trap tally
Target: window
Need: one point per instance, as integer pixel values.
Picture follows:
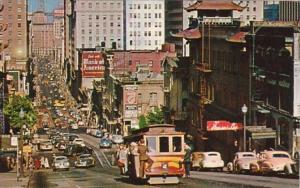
(177, 144)
(254, 8)
(163, 144)
(153, 96)
(159, 6)
(82, 31)
(19, 9)
(145, 6)
(151, 143)
(111, 24)
(90, 5)
(19, 17)
(19, 24)
(97, 17)
(149, 15)
(90, 17)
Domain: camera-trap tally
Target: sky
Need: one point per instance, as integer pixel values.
(49, 5)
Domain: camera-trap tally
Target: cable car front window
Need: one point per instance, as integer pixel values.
(151, 143)
(164, 144)
(177, 144)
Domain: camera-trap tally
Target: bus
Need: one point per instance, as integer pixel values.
(166, 149)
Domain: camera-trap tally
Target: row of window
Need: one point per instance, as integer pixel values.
(146, 24)
(146, 33)
(144, 42)
(10, 17)
(146, 6)
(97, 39)
(146, 15)
(104, 17)
(104, 5)
(97, 24)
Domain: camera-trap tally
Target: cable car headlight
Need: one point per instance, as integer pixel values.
(164, 166)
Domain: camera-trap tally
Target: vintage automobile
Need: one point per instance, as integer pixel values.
(117, 139)
(78, 141)
(60, 163)
(207, 160)
(76, 150)
(241, 162)
(272, 162)
(85, 160)
(105, 143)
(45, 145)
(74, 126)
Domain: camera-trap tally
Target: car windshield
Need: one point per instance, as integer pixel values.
(248, 155)
(280, 155)
(212, 154)
(60, 158)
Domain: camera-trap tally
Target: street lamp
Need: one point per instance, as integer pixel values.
(21, 115)
(244, 110)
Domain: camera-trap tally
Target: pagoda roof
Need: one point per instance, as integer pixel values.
(238, 37)
(214, 5)
(188, 34)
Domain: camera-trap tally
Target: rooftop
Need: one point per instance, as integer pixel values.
(214, 5)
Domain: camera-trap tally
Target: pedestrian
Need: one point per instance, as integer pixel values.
(122, 156)
(144, 158)
(135, 161)
(46, 163)
(187, 160)
(42, 162)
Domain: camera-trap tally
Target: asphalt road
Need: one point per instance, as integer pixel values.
(103, 175)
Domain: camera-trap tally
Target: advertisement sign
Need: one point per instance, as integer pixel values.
(14, 141)
(223, 126)
(92, 64)
(130, 101)
(296, 104)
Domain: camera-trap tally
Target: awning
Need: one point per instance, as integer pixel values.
(188, 34)
(261, 132)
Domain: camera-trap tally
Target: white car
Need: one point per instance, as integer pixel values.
(209, 160)
(78, 141)
(46, 145)
(241, 162)
(74, 126)
(117, 139)
(60, 162)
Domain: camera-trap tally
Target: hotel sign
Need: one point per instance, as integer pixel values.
(222, 125)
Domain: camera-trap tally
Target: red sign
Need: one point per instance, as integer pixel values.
(130, 101)
(223, 126)
(92, 64)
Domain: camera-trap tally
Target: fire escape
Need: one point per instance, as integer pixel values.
(204, 68)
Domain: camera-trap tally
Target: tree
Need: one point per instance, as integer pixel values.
(155, 117)
(142, 122)
(12, 109)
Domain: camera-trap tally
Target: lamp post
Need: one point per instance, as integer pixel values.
(244, 110)
(21, 115)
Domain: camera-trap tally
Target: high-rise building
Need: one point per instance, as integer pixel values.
(42, 34)
(14, 14)
(282, 10)
(144, 24)
(58, 29)
(253, 11)
(177, 20)
(99, 22)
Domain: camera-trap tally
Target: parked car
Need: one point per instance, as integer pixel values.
(85, 160)
(241, 162)
(46, 145)
(117, 139)
(60, 162)
(62, 145)
(273, 162)
(207, 160)
(105, 143)
(78, 141)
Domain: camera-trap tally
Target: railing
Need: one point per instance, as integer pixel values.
(216, 20)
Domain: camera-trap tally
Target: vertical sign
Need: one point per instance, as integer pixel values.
(296, 103)
(92, 64)
(130, 101)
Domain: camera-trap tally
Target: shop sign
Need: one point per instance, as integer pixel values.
(284, 83)
(92, 64)
(223, 125)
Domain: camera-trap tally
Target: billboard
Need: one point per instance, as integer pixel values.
(130, 101)
(222, 125)
(92, 64)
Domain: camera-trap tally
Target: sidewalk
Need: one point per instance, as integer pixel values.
(9, 180)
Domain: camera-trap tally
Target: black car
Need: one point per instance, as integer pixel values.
(75, 149)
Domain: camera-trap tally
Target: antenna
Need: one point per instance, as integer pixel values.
(41, 5)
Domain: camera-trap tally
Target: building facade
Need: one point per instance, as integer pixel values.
(99, 23)
(252, 11)
(58, 29)
(42, 35)
(177, 20)
(14, 14)
(281, 10)
(144, 24)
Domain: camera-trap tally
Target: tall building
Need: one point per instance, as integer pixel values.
(58, 29)
(145, 24)
(177, 20)
(99, 22)
(42, 34)
(280, 10)
(14, 14)
(253, 11)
